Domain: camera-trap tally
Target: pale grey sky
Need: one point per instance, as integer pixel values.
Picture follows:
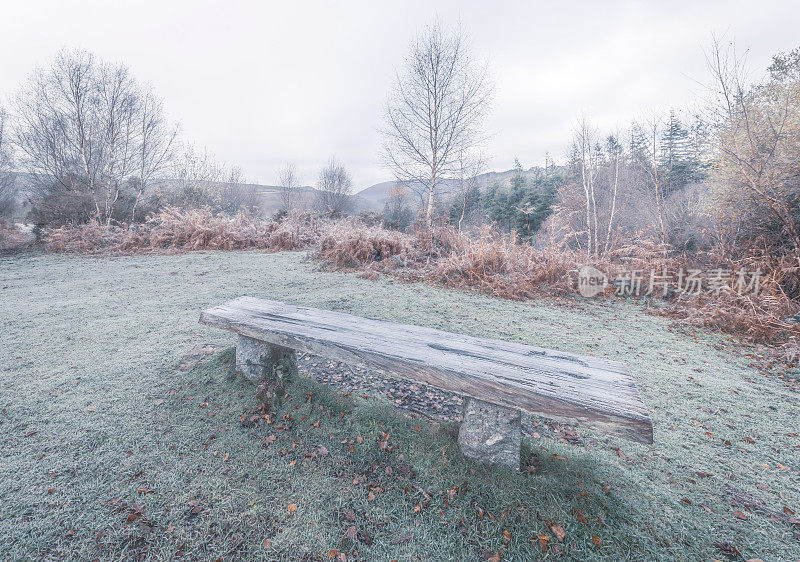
(260, 83)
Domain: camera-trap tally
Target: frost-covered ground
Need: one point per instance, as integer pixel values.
(109, 451)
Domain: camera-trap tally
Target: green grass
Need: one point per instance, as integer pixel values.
(99, 427)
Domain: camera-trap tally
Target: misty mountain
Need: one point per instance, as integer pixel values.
(374, 197)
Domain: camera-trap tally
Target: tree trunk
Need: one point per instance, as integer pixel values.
(429, 212)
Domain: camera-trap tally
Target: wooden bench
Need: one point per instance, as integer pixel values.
(498, 379)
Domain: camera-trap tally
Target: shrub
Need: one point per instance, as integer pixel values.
(490, 262)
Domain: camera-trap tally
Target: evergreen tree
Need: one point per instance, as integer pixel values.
(676, 159)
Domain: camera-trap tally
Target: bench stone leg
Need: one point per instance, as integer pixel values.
(491, 434)
(270, 366)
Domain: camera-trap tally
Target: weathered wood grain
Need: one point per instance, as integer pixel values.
(595, 392)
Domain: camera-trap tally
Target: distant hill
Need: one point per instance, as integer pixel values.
(268, 197)
(374, 196)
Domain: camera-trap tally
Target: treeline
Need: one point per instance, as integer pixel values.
(85, 141)
(93, 144)
(725, 178)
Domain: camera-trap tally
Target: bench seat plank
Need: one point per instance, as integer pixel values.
(595, 392)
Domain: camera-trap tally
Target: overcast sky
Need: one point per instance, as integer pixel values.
(261, 83)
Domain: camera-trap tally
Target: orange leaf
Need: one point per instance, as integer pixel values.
(292, 507)
(739, 515)
(506, 536)
(596, 540)
(581, 517)
(558, 531)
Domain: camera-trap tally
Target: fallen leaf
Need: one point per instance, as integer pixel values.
(544, 541)
(292, 507)
(596, 540)
(728, 549)
(739, 515)
(558, 531)
(92, 408)
(506, 536)
(581, 517)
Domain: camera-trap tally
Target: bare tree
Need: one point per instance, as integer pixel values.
(467, 182)
(156, 146)
(435, 111)
(758, 141)
(7, 191)
(288, 184)
(615, 151)
(335, 188)
(584, 147)
(201, 181)
(397, 212)
(88, 131)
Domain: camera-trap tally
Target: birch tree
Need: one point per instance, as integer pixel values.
(584, 148)
(287, 187)
(335, 188)
(87, 130)
(435, 112)
(6, 176)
